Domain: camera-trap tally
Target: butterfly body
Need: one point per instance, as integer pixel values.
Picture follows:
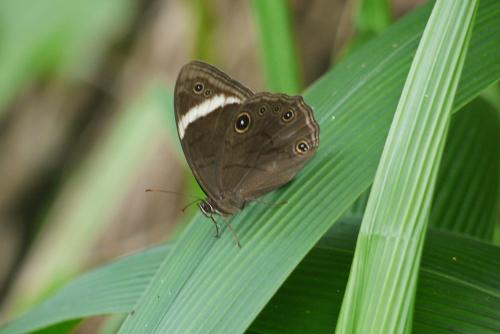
(239, 145)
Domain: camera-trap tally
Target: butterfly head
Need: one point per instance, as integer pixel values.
(206, 208)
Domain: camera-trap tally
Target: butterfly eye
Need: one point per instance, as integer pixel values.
(206, 208)
(301, 147)
(242, 122)
(207, 92)
(198, 88)
(288, 115)
(262, 110)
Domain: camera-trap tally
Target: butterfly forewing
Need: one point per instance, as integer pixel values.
(204, 99)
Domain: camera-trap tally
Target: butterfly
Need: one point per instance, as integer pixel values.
(239, 145)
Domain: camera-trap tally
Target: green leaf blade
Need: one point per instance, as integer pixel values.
(279, 54)
(467, 185)
(70, 41)
(395, 220)
(111, 289)
(448, 285)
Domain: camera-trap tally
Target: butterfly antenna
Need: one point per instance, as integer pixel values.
(197, 199)
(170, 192)
(235, 237)
(190, 203)
(272, 204)
(217, 233)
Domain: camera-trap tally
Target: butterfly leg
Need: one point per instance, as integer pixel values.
(217, 232)
(235, 237)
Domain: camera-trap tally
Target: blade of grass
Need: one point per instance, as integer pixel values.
(394, 224)
(279, 55)
(309, 300)
(112, 324)
(451, 294)
(466, 198)
(205, 36)
(69, 41)
(113, 288)
(492, 95)
(370, 19)
(359, 205)
(207, 285)
(60, 328)
(372, 16)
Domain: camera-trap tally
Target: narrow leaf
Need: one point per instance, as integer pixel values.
(448, 285)
(466, 198)
(70, 41)
(381, 288)
(113, 288)
(309, 300)
(279, 54)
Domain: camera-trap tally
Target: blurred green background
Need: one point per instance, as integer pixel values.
(86, 120)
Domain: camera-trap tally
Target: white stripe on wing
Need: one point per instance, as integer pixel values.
(203, 109)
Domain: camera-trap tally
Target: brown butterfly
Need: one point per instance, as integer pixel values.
(239, 145)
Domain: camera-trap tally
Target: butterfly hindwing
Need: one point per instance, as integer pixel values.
(281, 137)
